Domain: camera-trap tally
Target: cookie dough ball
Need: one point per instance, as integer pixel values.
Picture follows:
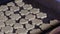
(24, 12)
(3, 18)
(3, 8)
(37, 22)
(41, 15)
(8, 13)
(27, 7)
(20, 4)
(7, 29)
(14, 8)
(21, 31)
(10, 4)
(34, 10)
(30, 17)
(23, 21)
(10, 22)
(18, 25)
(15, 16)
(29, 26)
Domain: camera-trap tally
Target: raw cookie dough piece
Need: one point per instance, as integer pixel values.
(3, 8)
(23, 21)
(21, 31)
(34, 11)
(3, 18)
(30, 17)
(29, 26)
(20, 4)
(37, 22)
(14, 8)
(41, 15)
(8, 13)
(54, 22)
(35, 31)
(45, 26)
(2, 25)
(10, 22)
(15, 16)
(7, 29)
(10, 4)
(24, 12)
(27, 7)
(18, 25)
